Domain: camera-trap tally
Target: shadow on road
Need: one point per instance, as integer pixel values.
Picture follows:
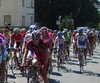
(64, 69)
(11, 76)
(89, 59)
(77, 72)
(56, 74)
(90, 73)
(93, 62)
(72, 63)
(97, 51)
(87, 73)
(53, 81)
(96, 57)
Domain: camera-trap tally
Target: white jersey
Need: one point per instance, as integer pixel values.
(27, 38)
(60, 40)
(81, 39)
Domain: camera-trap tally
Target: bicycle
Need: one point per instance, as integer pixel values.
(55, 52)
(34, 74)
(16, 62)
(81, 59)
(60, 57)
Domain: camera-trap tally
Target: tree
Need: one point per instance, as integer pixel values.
(83, 12)
(67, 23)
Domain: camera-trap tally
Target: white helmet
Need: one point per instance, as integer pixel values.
(33, 27)
(16, 30)
(36, 34)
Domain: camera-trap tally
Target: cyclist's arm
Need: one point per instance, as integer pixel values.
(50, 45)
(24, 56)
(55, 42)
(10, 41)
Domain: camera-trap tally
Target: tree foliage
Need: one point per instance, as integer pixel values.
(83, 12)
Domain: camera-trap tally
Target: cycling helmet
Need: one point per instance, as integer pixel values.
(33, 27)
(16, 30)
(44, 28)
(59, 33)
(36, 35)
(80, 30)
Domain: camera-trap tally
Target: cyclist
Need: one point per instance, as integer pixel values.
(2, 59)
(23, 33)
(94, 35)
(28, 36)
(37, 46)
(68, 42)
(98, 37)
(47, 39)
(90, 43)
(6, 35)
(73, 41)
(54, 35)
(15, 40)
(81, 40)
(59, 43)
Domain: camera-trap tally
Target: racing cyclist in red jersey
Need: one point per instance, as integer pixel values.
(23, 33)
(37, 47)
(15, 40)
(47, 39)
(90, 43)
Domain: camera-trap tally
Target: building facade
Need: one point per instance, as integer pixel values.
(17, 12)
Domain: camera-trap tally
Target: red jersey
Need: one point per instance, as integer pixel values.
(23, 35)
(16, 38)
(37, 50)
(47, 39)
(90, 39)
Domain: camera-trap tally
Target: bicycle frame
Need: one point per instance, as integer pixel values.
(33, 72)
(81, 58)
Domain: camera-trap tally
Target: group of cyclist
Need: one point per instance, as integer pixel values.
(39, 43)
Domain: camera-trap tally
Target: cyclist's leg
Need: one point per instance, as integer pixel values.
(68, 52)
(18, 44)
(3, 70)
(85, 55)
(45, 77)
(78, 49)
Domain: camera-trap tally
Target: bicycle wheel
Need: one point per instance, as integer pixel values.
(31, 76)
(6, 72)
(14, 66)
(58, 62)
(81, 64)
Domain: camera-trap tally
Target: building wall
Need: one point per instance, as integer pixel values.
(9, 8)
(26, 11)
(16, 10)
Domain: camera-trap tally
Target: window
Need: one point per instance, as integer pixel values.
(0, 3)
(7, 19)
(32, 3)
(23, 20)
(23, 3)
(31, 20)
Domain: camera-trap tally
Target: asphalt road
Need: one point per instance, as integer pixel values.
(69, 73)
